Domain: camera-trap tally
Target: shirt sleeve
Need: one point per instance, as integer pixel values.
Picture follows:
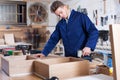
(51, 43)
(91, 32)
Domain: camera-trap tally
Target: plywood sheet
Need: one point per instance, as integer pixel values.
(9, 39)
(115, 45)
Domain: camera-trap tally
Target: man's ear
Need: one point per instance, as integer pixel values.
(67, 6)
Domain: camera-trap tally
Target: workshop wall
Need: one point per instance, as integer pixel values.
(102, 15)
(107, 13)
(107, 10)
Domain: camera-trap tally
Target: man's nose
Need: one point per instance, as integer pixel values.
(60, 15)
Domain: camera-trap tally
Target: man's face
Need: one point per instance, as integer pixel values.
(62, 12)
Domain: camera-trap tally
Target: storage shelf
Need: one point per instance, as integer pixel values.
(10, 30)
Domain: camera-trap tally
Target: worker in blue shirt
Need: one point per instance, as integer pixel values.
(75, 29)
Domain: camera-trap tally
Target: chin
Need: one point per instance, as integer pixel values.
(65, 17)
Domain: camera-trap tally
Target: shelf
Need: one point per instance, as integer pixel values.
(3, 30)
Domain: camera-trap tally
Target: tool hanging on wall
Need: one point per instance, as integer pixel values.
(96, 17)
(84, 11)
(104, 20)
(101, 20)
(36, 38)
(104, 6)
(103, 35)
(29, 36)
(93, 16)
(115, 18)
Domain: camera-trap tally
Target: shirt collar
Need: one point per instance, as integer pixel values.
(69, 12)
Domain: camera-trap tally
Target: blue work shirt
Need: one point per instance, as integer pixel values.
(77, 33)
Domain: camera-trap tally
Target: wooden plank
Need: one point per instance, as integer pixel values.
(9, 39)
(115, 46)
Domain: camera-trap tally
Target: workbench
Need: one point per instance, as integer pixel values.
(4, 76)
(93, 77)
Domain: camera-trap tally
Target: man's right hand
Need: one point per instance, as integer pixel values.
(40, 55)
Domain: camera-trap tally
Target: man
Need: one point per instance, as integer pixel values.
(75, 29)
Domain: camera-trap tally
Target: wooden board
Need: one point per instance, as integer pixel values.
(9, 39)
(115, 46)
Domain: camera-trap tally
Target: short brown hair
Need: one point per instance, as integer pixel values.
(55, 5)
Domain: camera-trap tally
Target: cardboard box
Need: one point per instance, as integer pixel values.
(62, 68)
(16, 65)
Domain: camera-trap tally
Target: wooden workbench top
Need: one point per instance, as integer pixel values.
(3, 76)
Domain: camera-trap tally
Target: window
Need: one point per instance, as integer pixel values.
(13, 12)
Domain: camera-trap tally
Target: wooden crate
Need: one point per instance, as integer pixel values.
(62, 68)
(19, 65)
(16, 65)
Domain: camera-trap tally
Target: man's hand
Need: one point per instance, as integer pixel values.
(41, 55)
(86, 51)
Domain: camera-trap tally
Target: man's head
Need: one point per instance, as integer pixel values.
(59, 9)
